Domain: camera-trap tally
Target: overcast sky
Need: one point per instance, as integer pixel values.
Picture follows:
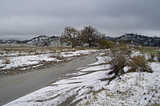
(24, 19)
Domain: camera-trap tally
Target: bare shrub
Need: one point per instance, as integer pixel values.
(151, 57)
(158, 56)
(118, 62)
(139, 64)
(123, 51)
(121, 58)
(6, 61)
(36, 53)
(1, 53)
(60, 57)
(53, 56)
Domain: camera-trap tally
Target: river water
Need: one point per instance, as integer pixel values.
(13, 87)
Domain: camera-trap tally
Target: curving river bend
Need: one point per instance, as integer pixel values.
(13, 87)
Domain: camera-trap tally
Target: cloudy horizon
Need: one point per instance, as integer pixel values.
(25, 19)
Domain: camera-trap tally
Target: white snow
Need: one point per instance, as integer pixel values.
(77, 53)
(85, 87)
(27, 60)
(133, 89)
(96, 68)
(21, 61)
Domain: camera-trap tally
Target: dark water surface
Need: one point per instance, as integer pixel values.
(13, 87)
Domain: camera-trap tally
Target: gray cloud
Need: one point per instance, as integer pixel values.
(23, 19)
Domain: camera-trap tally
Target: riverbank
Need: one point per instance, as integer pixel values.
(13, 87)
(14, 62)
(86, 87)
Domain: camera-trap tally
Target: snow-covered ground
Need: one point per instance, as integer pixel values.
(28, 61)
(21, 61)
(85, 87)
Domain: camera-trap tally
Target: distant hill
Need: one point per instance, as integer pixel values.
(137, 39)
(54, 41)
(43, 40)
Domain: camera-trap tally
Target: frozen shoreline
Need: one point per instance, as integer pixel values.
(85, 87)
(13, 87)
(21, 64)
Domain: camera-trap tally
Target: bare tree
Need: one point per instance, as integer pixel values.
(76, 38)
(70, 36)
(90, 35)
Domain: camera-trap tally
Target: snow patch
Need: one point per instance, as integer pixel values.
(85, 86)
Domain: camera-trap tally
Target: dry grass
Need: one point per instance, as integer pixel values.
(143, 50)
(21, 51)
(139, 64)
(121, 58)
(158, 56)
(6, 61)
(60, 57)
(151, 57)
(118, 62)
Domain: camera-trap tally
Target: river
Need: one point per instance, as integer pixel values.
(13, 87)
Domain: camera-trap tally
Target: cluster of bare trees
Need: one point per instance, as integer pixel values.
(87, 35)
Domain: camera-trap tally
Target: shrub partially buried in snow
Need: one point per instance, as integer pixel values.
(6, 61)
(151, 57)
(118, 62)
(121, 58)
(158, 56)
(139, 64)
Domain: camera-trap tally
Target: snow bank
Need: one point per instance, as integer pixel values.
(133, 89)
(27, 60)
(85, 87)
(21, 61)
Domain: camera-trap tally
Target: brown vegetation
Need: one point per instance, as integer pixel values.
(121, 58)
(73, 37)
(158, 56)
(118, 62)
(151, 57)
(6, 61)
(139, 64)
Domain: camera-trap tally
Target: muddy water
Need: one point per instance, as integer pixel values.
(13, 87)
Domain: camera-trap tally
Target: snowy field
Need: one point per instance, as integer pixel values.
(34, 59)
(85, 87)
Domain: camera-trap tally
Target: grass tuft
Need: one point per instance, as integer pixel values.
(151, 57)
(118, 62)
(139, 64)
(158, 56)
(6, 61)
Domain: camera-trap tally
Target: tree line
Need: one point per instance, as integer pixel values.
(88, 35)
